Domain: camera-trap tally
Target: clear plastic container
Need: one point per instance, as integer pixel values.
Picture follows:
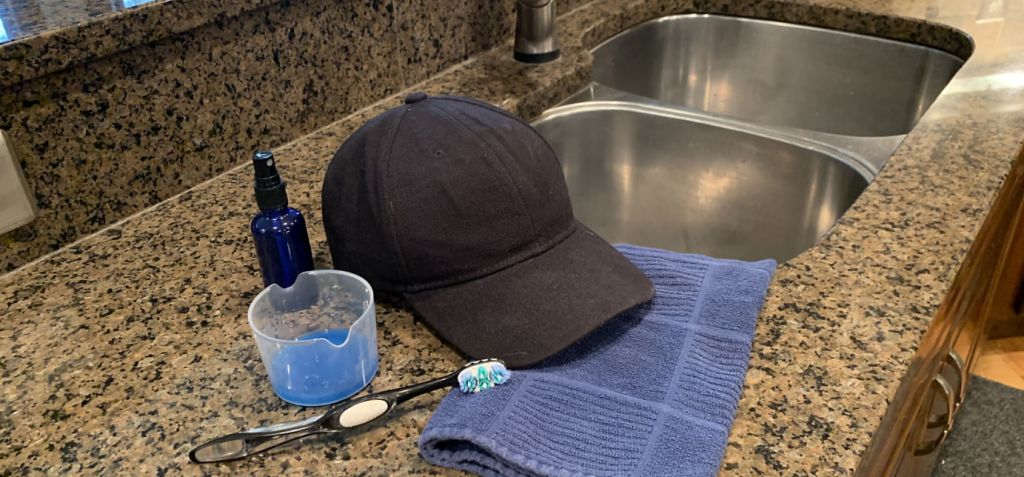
(318, 337)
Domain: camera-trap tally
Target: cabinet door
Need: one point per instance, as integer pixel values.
(994, 275)
(1007, 312)
(985, 289)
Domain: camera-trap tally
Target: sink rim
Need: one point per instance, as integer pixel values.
(871, 152)
(676, 16)
(859, 165)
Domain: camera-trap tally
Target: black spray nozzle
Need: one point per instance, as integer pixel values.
(270, 193)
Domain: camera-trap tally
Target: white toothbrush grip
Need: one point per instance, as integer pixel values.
(363, 412)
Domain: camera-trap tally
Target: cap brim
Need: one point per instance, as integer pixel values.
(532, 310)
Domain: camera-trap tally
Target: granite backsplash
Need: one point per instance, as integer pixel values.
(103, 139)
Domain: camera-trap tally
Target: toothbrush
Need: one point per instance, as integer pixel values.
(473, 377)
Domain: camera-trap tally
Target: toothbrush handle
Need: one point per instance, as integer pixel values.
(404, 394)
(253, 441)
(370, 408)
(342, 416)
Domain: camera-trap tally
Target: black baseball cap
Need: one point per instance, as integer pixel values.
(462, 208)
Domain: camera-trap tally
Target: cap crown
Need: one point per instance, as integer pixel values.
(441, 191)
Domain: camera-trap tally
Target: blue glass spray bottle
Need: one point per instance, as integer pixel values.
(282, 244)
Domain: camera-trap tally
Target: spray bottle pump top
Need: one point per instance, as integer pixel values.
(270, 193)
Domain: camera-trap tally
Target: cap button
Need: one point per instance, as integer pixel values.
(415, 97)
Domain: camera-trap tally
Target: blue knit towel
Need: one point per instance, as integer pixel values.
(651, 393)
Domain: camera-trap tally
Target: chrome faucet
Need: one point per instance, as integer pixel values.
(536, 35)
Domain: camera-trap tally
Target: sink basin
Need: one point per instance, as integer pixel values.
(664, 178)
(777, 74)
(735, 137)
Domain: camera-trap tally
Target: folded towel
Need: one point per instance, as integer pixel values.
(653, 392)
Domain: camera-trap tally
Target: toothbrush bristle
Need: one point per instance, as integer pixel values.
(483, 376)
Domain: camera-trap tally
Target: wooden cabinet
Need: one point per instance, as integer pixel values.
(986, 289)
(1007, 311)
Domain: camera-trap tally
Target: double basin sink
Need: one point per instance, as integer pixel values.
(735, 137)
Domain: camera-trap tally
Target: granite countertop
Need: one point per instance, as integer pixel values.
(42, 36)
(128, 347)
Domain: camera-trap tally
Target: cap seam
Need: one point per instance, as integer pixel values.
(504, 169)
(494, 108)
(502, 266)
(388, 176)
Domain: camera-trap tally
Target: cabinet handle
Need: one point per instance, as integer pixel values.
(945, 390)
(954, 360)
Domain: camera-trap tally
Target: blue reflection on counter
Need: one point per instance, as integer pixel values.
(3, 32)
(134, 3)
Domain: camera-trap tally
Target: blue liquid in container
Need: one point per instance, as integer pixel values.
(317, 374)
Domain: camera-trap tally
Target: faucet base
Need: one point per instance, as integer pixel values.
(536, 58)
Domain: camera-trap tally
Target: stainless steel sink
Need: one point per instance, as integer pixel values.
(777, 74)
(657, 177)
(735, 137)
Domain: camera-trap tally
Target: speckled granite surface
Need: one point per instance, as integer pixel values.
(105, 139)
(130, 346)
(43, 36)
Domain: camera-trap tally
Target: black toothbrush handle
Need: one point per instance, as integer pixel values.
(366, 409)
(253, 441)
(339, 418)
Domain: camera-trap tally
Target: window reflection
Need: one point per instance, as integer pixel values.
(1005, 80)
(134, 3)
(991, 11)
(3, 32)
